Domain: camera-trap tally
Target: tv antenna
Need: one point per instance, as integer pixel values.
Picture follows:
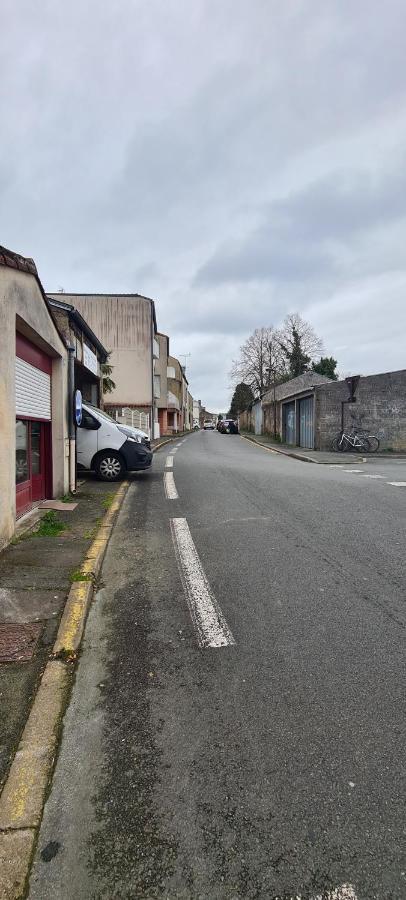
(184, 356)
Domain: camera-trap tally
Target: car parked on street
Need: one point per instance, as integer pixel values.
(208, 425)
(109, 448)
(229, 426)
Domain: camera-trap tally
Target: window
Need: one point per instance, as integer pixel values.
(22, 471)
(171, 372)
(88, 421)
(157, 386)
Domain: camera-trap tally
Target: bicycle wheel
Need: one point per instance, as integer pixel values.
(335, 443)
(373, 443)
(363, 445)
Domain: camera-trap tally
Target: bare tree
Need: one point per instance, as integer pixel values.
(261, 360)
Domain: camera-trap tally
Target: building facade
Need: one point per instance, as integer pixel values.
(161, 384)
(89, 353)
(126, 325)
(175, 395)
(34, 446)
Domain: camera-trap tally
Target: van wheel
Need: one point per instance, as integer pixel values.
(109, 466)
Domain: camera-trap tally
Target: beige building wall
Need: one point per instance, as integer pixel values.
(161, 367)
(125, 326)
(23, 307)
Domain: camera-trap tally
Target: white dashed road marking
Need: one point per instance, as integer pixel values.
(170, 487)
(211, 626)
(352, 470)
(345, 892)
(373, 476)
(169, 462)
(397, 483)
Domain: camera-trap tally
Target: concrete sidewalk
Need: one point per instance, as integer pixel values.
(322, 457)
(36, 573)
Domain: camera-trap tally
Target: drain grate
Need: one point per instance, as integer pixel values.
(18, 642)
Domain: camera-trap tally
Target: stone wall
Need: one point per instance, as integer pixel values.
(380, 407)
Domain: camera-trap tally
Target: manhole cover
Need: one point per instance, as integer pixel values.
(18, 642)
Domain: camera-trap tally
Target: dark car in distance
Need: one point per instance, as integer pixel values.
(228, 426)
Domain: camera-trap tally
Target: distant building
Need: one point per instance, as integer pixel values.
(126, 325)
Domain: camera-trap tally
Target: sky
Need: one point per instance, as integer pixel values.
(236, 161)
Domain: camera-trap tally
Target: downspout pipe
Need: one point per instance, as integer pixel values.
(71, 423)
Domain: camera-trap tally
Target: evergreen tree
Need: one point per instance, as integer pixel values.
(298, 360)
(326, 366)
(241, 399)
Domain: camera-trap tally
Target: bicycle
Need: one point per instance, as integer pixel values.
(373, 439)
(345, 441)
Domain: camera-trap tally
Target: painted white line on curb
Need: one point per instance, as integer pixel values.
(397, 483)
(207, 617)
(169, 462)
(170, 487)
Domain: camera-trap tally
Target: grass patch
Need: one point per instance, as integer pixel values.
(80, 576)
(68, 498)
(50, 525)
(107, 501)
(90, 533)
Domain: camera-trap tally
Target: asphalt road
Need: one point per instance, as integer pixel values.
(271, 764)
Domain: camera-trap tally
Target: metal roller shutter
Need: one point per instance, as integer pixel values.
(33, 391)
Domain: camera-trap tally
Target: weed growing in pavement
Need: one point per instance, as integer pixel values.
(107, 501)
(68, 498)
(77, 575)
(90, 533)
(50, 525)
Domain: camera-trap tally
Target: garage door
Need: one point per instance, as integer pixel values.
(289, 429)
(33, 391)
(306, 432)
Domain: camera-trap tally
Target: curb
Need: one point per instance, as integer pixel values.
(25, 790)
(300, 456)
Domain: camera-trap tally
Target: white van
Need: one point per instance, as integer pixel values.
(107, 447)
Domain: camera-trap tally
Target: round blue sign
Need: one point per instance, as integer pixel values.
(78, 407)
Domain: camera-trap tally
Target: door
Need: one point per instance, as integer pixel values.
(289, 424)
(258, 417)
(38, 457)
(31, 463)
(306, 431)
(86, 439)
(23, 469)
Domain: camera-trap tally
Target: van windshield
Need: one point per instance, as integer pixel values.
(100, 412)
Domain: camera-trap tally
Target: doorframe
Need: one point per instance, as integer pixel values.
(46, 442)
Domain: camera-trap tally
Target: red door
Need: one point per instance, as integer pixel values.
(32, 454)
(23, 471)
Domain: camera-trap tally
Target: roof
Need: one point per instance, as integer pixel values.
(75, 316)
(297, 385)
(26, 264)
(16, 261)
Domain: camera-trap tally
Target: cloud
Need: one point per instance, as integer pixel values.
(301, 235)
(233, 161)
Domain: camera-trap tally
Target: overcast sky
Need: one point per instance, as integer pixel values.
(234, 160)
